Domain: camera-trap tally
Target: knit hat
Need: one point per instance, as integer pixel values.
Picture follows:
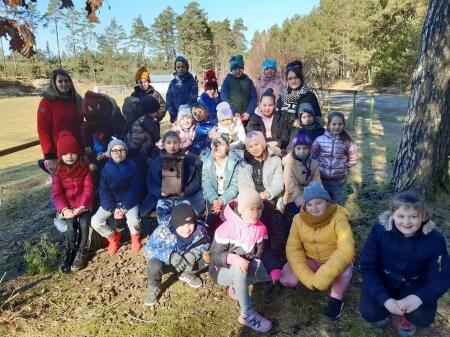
(150, 104)
(315, 191)
(305, 107)
(302, 138)
(142, 74)
(236, 61)
(67, 143)
(296, 67)
(114, 142)
(224, 111)
(210, 80)
(221, 137)
(182, 213)
(247, 196)
(184, 110)
(269, 63)
(181, 59)
(257, 136)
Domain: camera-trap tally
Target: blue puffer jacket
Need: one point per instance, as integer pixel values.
(391, 260)
(120, 183)
(210, 104)
(163, 243)
(182, 90)
(209, 179)
(201, 139)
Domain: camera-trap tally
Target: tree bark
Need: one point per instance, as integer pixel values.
(423, 155)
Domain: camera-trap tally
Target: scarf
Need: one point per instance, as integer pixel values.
(305, 161)
(184, 243)
(321, 220)
(311, 127)
(290, 98)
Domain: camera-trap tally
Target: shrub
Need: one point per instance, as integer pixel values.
(40, 257)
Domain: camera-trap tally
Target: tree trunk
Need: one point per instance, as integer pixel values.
(3, 56)
(16, 73)
(57, 42)
(422, 158)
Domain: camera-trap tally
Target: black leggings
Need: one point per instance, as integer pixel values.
(78, 231)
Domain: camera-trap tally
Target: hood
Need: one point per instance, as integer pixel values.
(387, 221)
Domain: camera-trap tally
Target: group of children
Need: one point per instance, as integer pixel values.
(271, 179)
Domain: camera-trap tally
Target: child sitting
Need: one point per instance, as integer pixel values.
(230, 125)
(181, 245)
(120, 192)
(320, 248)
(237, 252)
(211, 97)
(202, 141)
(405, 267)
(73, 194)
(307, 122)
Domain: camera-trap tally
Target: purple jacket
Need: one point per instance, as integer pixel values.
(334, 156)
(263, 83)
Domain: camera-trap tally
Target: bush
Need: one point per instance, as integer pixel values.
(41, 257)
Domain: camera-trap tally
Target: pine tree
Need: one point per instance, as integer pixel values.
(140, 38)
(165, 34)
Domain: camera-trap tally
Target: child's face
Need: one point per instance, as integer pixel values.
(199, 114)
(186, 230)
(267, 106)
(211, 93)
(252, 213)
(237, 72)
(407, 220)
(186, 122)
(255, 149)
(143, 84)
(227, 123)
(293, 81)
(306, 118)
(301, 151)
(118, 153)
(62, 83)
(336, 126)
(316, 207)
(220, 149)
(269, 73)
(180, 68)
(69, 158)
(172, 145)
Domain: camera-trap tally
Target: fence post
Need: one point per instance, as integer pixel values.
(354, 109)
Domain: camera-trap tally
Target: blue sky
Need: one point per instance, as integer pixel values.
(257, 15)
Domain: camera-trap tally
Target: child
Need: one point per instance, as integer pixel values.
(211, 97)
(270, 122)
(237, 252)
(238, 90)
(186, 172)
(219, 179)
(270, 79)
(320, 248)
(183, 89)
(181, 245)
(307, 122)
(73, 194)
(336, 152)
(120, 192)
(405, 267)
(144, 88)
(185, 127)
(230, 125)
(202, 141)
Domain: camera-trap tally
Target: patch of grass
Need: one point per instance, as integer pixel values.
(41, 257)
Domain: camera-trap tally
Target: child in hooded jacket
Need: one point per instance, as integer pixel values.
(269, 79)
(211, 97)
(230, 125)
(306, 122)
(203, 127)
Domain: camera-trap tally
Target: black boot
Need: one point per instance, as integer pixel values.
(80, 260)
(68, 259)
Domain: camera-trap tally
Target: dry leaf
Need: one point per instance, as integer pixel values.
(21, 38)
(91, 7)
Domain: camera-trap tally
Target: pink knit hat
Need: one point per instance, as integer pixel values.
(257, 136)
(247, 196)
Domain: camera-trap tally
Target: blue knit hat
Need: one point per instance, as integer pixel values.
(269, 63)
(305, 107)
(236, 61)
(315, 191)
(302, 138)
(181, 59)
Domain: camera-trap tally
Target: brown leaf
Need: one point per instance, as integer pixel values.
(13, 3)
(21, 38)
(66, 4)
(91, 7)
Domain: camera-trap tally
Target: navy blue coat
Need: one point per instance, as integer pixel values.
(201, 139)
(210, 104)
(182, 90)
(120, 183)
(391, 261)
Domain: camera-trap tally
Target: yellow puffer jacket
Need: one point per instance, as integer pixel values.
(331, 244)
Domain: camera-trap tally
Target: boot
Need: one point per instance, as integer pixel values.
(113, 243)
(80, 260)
(136, 242)
(67, 261)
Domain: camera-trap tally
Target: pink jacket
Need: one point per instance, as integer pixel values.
(263, 83)
(334, 156)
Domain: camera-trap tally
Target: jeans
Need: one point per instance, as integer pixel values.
(335, 188)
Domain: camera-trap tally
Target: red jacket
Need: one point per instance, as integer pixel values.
(54, 116)
(72, 189)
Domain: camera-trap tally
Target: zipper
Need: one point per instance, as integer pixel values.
(332, 154)
(439, 260)
(315, 242)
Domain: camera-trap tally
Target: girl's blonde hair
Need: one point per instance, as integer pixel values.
(411, 199)
(344, 135)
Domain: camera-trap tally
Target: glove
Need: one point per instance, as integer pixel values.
(178, 262)
(190, 259)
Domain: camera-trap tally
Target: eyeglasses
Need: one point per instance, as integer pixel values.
(118, 151)
(63, 81)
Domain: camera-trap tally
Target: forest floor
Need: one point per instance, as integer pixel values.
(106, 299)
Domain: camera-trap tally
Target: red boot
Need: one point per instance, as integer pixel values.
(113, 243)
(136, 242)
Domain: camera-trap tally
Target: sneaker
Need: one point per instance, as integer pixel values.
(151, 296)
(232, 293)
(404, 327)
(60, 224)
(66, 264)
(255, 321)
(80, 261)
(382, 323)
(191, 279)
(334, 309)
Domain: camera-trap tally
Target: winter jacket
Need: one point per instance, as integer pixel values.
(331, 244)
(182, 90)
(142, 136)
(390, 260)
(236, 134)
(210, 104)
(296, 176)
(151, 91)
(313, 132)
(163, 243)
(119, 183)
(209, 179)
(272, 175)
(334, 156)
(240, 93)
(275, 83)
(279, 128)
(192, 180)
(201, 139)
(72, 189)
(289, 101)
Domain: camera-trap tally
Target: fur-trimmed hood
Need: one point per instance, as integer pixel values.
(387, 221)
